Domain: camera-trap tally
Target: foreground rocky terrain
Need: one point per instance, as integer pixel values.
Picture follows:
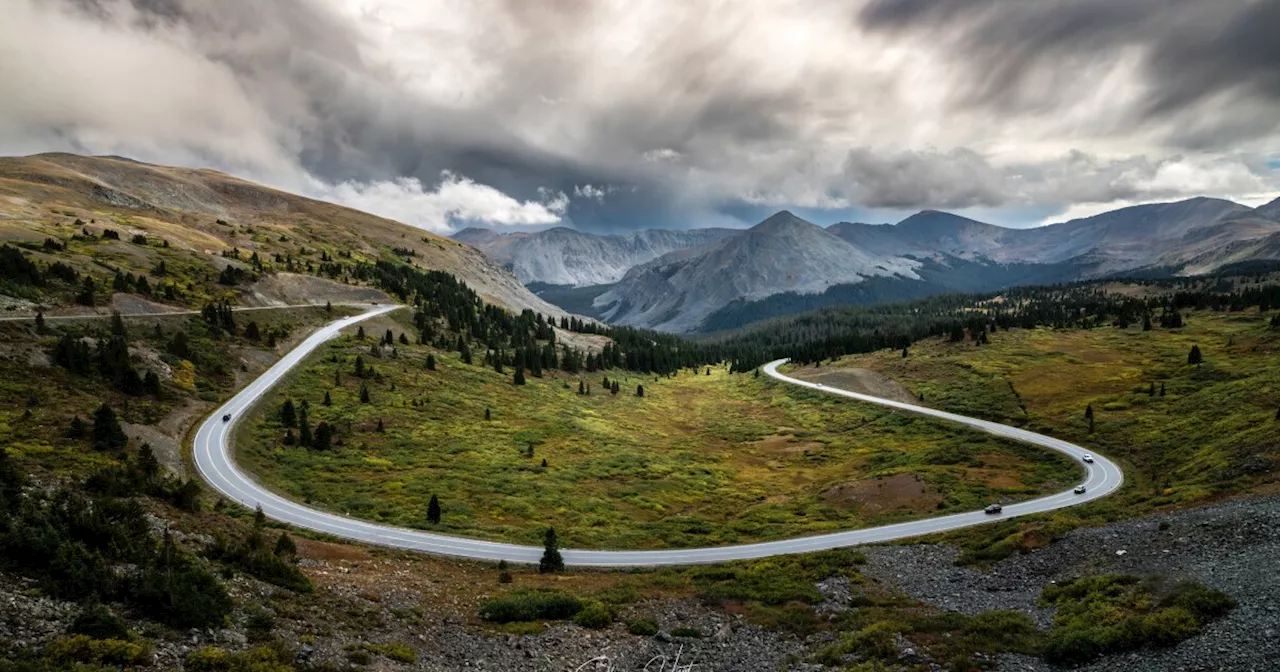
(1232, 546)
(417, 612)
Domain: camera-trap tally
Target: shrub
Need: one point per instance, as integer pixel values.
(1070, 647)
(593, 615)
(1203, 602)
(183, 594)
(85, 649)
(397, 652)
(261, 659)
(1000, 630)
(530, 605)
(259, 625)
(1169, 626)
(97, 621)
(644, 627)
(270, 563)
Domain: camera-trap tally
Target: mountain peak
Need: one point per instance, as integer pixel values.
(781, 221)
(938, 221)
(1271, 209)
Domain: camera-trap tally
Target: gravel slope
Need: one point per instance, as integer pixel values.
(1233, 546)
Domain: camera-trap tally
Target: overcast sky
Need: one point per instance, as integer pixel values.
(683, 113)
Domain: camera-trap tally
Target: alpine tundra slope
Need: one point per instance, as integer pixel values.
(213, 460)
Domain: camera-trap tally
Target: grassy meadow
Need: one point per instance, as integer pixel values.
(698, 460)
(1184, 433)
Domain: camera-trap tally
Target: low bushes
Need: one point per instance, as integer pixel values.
(593, 615)
(530, 605)
(85, 649)
(1098, 615)
(644, 627)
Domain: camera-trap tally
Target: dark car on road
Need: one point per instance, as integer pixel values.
(993, 508)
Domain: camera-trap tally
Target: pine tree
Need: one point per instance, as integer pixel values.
(360, 333)
(285, 547)
(1151, 391)
(404, 340)
(519, 377)
(364, 393)
(304, 428)
(288, 437)
(251, 331)
(40, 322)
(107, 434)
(433, 510)
(328, 401)
(389, 338)
(117, 324)
(288, 416)
(639, 390)
(431, 362)
(582, 388)
(614, 388)
(86, 295)
(1195, 357)
(359, 366)
(1088, 415)
(259, 517)
(76, 429)
(1162, 389)
(324, 436)
(504, 574)
(151, 383)
(147, 463)
(380, 428)
(551, 560)
(487, 415)
(904, 353)
(544, 460)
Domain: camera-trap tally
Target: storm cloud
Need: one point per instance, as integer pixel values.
(609, 114)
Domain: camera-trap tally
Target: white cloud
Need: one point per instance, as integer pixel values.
(455, 199)
(664, 154)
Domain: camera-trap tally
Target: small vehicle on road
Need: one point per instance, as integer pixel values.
(993, 508)
(1087, 458)
(226, 418)
(1079, 490)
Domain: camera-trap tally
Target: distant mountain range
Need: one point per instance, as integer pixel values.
(562, 256)
(712, 279)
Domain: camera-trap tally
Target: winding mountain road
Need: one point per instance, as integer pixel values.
(213, 460)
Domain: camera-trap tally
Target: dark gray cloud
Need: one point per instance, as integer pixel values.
(693, 112)
(1223, 55)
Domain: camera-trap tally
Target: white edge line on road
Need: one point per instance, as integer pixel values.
(212, 454)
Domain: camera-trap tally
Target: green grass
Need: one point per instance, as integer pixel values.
(1211, 434)
(699, 460)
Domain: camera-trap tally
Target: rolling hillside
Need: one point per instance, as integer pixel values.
(193, 220)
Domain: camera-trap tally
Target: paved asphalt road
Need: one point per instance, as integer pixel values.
(213, 460)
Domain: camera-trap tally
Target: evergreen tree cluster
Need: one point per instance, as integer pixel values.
(73, 541)
(971, 318)
(110, 358)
